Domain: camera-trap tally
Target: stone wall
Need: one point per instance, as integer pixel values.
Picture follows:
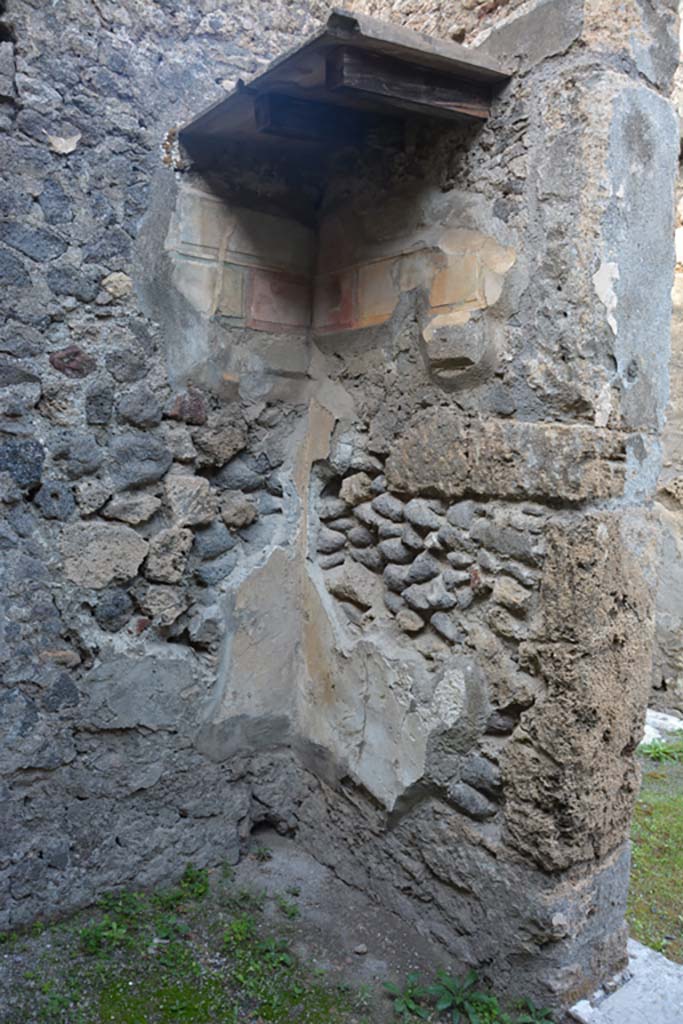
(667, 679)
(327, 503)
(117, 537)
(462, 21)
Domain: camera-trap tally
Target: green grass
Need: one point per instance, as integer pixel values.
(207, 952)
(663, 750)
(457, 1000)
(655, 909)
(168, 958)
(202, 952)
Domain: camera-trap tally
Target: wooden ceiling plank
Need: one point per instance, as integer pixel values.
(400, 85)
(303, 120)
(293, 118)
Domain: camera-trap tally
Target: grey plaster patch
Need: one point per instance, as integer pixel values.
(547, 30)
(220, 741)
(656, 49)
(638, 236)
(139, 692)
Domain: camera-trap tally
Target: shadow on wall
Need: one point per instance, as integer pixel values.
(245, 270)
(271, 303)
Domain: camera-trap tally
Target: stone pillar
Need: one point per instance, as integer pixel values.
(536, 458)
(667, 681)
(601, 173)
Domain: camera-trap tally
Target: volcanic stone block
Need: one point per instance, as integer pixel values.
(189, 407)
(426, 597)
(125, 365)
(80, 452)
(353, 583)
(411, 538)
(97, 554)
(461, 514)
(238, 475)
(73, 362)
(55, 500)
(220, 439)
(387, 530)
(140, 407)
(330, 541)
(446, 627)
(12, 272)
(23, 460)
(471, 802)
(511, 595)
(331, 508)
(389, 507)
(444, 452)
(396, 577)
(360, 537)
(82, 284)
(99, 402)
(138, 459)
(424, 568)
(342, 525)
(163, 604)
(36, 243)
(420, 514)
(132, 508)
(113, 609)
(238, 510)
(191, 499)
(212, 541)
(483, 774)
(13, 372)
(395, 551)
(7, 71)
(371, 558)
(217, 569)
(332, 561)
(409, 621)
(168, 551)
(356, 489)
(91, 495)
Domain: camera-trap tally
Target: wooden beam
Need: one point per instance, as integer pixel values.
(330, 124)
(395, 83)
(303, 120)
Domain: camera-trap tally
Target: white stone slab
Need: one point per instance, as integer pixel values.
(652, 995)
(659, 725)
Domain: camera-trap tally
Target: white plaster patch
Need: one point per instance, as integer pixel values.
(603, 406)
(604, 280)
(602, 533)
(455, 319)
(679, 246)
(196, 282)
(449, 697)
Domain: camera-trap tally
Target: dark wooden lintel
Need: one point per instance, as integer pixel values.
(330, 124)
(395, 83)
